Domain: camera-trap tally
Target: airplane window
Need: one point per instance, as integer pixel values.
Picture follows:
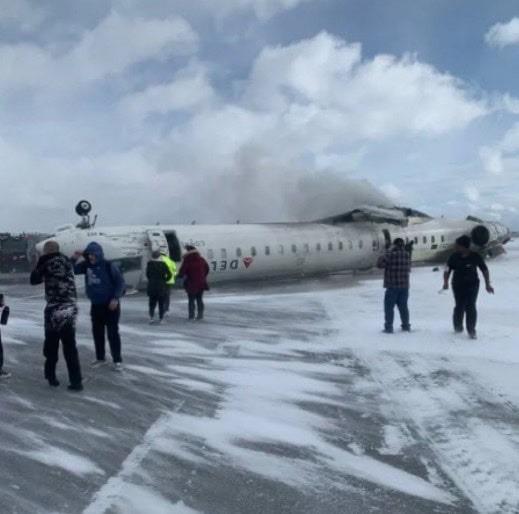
(267, 250)
(253, 251)
(341, 245)
(415, 240)
(350, 245)
(443, 239)
(361, 243)
(281, 250)
(294, 248)
(318, 247)
(433, 239)
(210, 254)
(424, 240)
(223, 253)
(330, 247)
(238, 252)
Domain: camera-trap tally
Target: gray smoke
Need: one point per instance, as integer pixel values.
(258, 190)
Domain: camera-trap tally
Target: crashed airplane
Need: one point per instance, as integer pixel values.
(347, 242)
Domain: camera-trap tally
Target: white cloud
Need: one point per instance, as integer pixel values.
(492, 160)
(392, 192)
(20, 14)
(503, 34)
(119, 42)
(509, 103)
(219, 10)
(324, 81)
(263, 9)
(504, 155)
(311, 106)
(472, 193)
(190, 89)
(110, 48)
(277, 145)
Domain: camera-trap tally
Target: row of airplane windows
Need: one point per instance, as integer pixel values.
(433, 239)
(293, 248)
(306, 248)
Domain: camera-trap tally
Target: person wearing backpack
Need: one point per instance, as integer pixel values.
(4, 316)
(104, 285)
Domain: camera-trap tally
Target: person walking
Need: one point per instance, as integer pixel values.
(104, 286)
(396, 263)
(194, 271)
(158, 275)
(4, 317)
(56, 271)
(170, 263)
(464, 264)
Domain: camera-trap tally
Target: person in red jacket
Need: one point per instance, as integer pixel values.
(194, 271)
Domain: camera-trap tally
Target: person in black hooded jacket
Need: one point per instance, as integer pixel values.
(158, 275)
(56, 271)
(4, 316)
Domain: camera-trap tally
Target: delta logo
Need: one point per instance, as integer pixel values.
(248, 262)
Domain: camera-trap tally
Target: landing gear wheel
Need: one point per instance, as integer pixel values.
(83, 208)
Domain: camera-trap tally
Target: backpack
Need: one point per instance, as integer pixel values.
(110, 270)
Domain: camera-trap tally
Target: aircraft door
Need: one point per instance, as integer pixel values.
(154, 240)
(387, 238)
(175, 252)
(157, 241)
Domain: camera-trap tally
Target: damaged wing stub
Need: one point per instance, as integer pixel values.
(401, 216)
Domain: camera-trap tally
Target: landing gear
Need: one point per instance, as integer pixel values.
(83, 209)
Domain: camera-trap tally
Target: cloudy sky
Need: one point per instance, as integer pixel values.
(259, 110)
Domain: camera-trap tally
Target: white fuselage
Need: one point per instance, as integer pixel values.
(261, 251)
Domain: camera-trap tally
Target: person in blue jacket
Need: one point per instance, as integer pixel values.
(104, 286)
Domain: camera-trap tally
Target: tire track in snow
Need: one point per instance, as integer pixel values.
(470, 429)
(105, 498)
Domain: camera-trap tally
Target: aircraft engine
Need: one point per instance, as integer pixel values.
(480, 235)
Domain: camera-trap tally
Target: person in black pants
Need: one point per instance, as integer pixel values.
(4, 316)
(104, 285)
(194, 271)
(158, 275)
(60, 313)
(465, 284)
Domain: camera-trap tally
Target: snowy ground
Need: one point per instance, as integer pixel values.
(287, 399)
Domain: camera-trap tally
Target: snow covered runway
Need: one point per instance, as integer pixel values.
(286, 399)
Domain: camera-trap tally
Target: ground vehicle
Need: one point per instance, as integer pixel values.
(17, 251)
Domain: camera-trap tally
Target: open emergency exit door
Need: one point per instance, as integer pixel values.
(157, 242)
